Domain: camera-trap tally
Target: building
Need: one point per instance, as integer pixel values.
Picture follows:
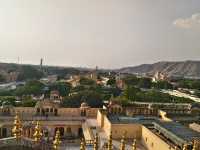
(142, 122)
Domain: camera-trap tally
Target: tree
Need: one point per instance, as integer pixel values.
(32, 87)
(63, 88)
(189, 83)
(162, 85)
(86, 81)
(28, 103)
(145, 83)
(197, 93)
(92, 98)
(6, 92)
(131, 92)
(111, 81)
(8, 100)
(29, 73)
(131, 80)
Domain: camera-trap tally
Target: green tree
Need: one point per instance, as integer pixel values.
(145, 83)
(131, 92)
(32, 87)
(86, 81)
(92, 98)
(28, 103)
(162, 85)
(197, 93)
(63, 88)
(29, 73)
(8, 100)
(111, 81)
(131, 80)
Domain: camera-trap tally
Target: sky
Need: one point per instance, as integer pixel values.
(104, 33)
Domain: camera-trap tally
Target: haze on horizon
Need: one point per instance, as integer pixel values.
(107, 33)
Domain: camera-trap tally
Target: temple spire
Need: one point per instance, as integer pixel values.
(38, 132)
(57, 141)
(17, 128)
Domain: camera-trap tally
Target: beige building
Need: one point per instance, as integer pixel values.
(143, 122)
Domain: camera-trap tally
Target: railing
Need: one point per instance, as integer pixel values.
(42, 118)
(24, 142)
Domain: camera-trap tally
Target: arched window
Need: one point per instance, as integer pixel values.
(55, 112)
(47, 110)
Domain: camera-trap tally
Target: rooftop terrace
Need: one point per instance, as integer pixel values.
(176, 132)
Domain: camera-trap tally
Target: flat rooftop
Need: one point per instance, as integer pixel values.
(115, 119)
(176, 132)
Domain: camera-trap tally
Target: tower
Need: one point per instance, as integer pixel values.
(41, 63)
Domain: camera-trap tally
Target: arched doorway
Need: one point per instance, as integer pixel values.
(61, 129)
(69, 132)
(80, 132)
(55, 112)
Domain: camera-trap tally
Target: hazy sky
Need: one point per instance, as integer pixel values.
(107, 33)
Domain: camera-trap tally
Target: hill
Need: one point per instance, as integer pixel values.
(182, 68)
(19, 72)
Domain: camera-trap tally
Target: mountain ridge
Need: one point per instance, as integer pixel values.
(187, 68)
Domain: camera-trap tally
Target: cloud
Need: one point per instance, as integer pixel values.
(188, 23)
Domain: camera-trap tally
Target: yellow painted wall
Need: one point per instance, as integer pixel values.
(131, 130)
(152, 142)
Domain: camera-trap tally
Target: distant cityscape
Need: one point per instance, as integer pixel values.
(44, 107)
